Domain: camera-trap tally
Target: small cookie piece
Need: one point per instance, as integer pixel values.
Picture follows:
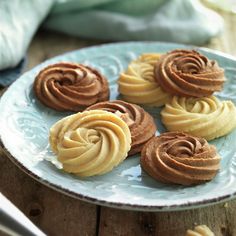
(200, 230)
(188, 73)
(179, 158)
(140, 122)
(68, 86)
(206, 117)
(90, 142)
(137, 83)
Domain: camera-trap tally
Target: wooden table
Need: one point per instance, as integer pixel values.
(57, 214)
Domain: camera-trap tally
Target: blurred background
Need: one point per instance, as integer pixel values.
(43, 29)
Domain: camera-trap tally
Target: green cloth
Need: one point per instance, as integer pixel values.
(183, 21)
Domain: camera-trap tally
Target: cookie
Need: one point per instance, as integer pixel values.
(137, 83)
(91, 142)
(68, 86)
(140, 122)
(179, 158)
(206, 117)
(188, 73)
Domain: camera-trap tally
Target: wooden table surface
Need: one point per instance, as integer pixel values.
(57, 214)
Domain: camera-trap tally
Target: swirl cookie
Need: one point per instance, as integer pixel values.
(179, 158)
(206, 117)
(137, 83)
(91, 142)
(70, 87)
(141, 123)
(188, 73)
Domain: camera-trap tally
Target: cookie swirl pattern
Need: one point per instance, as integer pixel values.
(70, 87)
(137, 83)
(206, 117)
(188, 73)
(179, 158)
(140, 122)
(91, 142)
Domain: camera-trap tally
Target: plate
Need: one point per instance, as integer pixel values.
(25, 125)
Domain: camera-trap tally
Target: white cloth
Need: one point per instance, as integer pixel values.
(19, 20)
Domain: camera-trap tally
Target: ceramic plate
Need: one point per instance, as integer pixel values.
(24, 134)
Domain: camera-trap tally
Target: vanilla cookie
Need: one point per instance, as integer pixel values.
(206, 117)
(140, 122)
(137, 83)
(90, 142)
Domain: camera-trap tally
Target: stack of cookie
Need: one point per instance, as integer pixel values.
(190, 79)
(104, 133)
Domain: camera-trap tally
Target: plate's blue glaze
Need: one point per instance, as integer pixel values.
(7, 76)
(24, 133)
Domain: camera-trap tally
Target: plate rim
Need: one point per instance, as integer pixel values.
(117, 205)
(126, 206)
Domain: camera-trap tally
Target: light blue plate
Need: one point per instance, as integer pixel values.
(24, 125)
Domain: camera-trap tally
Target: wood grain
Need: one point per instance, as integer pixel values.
(220, 218)
(57, 214)
(53, 212)
(47, 44)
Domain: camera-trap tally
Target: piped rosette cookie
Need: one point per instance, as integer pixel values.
(137, 83)
(179, 158)
(90, 142)
(140, 122)
(68, 86)
(206, 117)
(188, 73)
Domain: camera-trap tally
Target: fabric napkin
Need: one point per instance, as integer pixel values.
(19, 21)
(163, 20)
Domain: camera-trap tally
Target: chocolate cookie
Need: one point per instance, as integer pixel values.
(188, 73)
(179, 158)
(68, 86)
(140, 122)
